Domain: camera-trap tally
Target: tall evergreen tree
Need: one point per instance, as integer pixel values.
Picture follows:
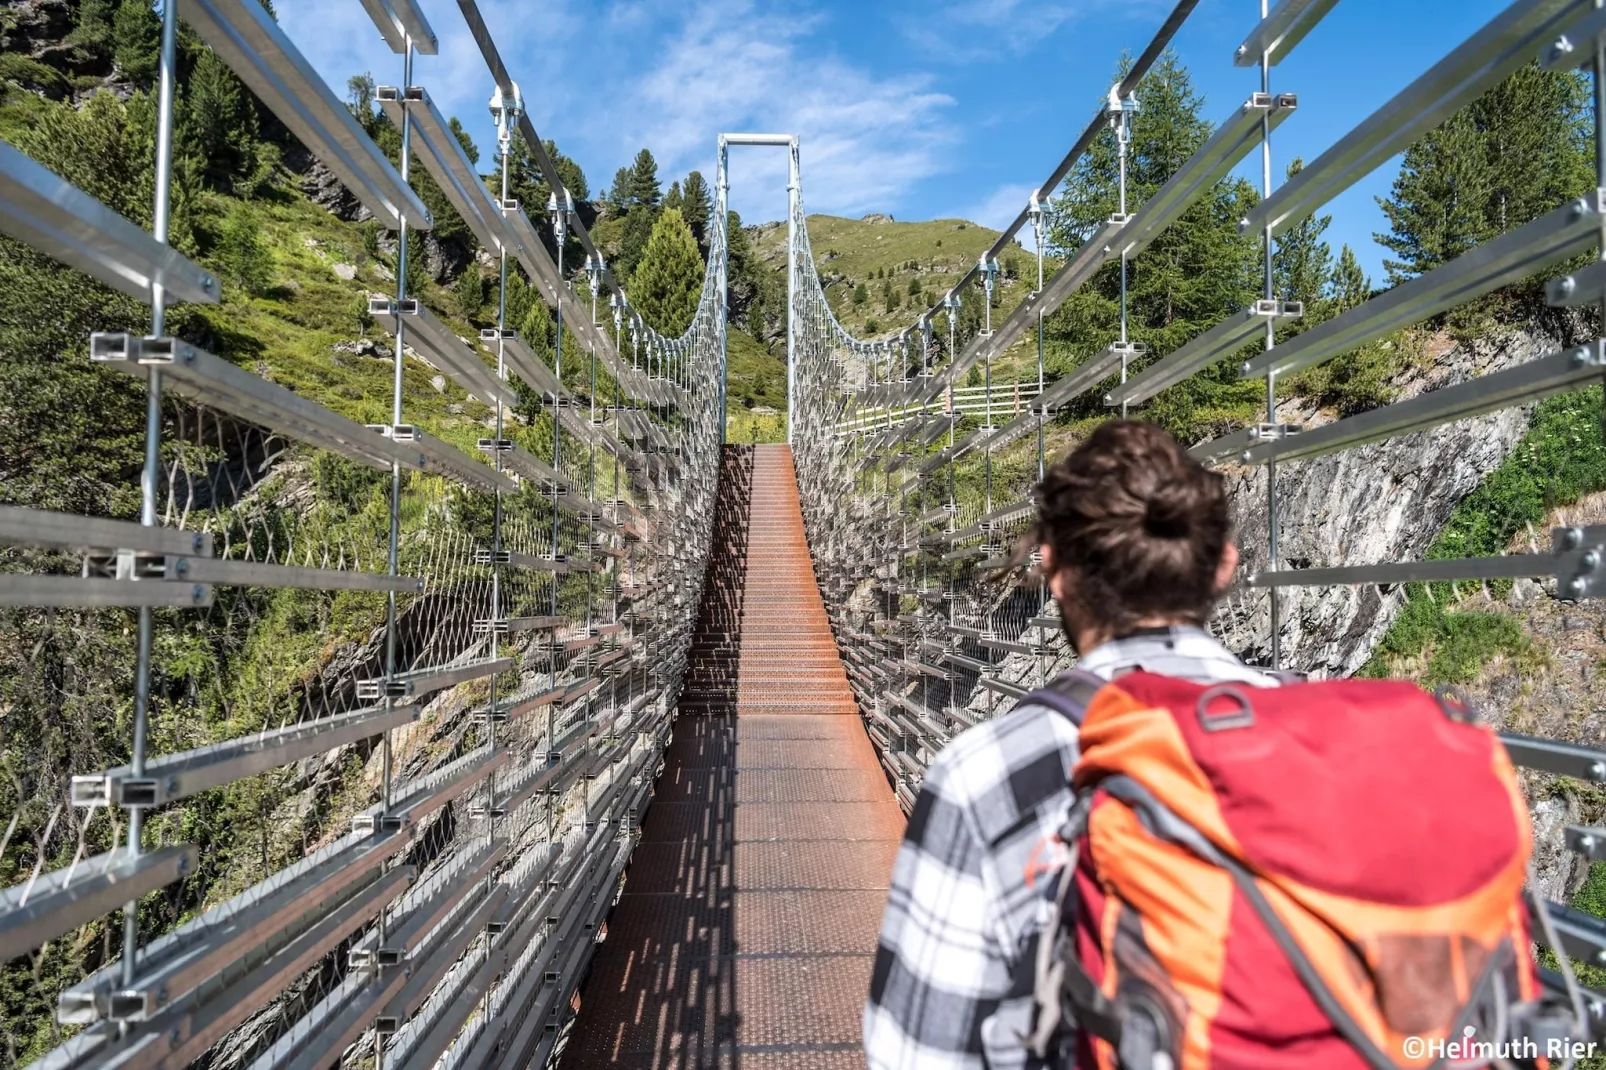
(528, 185)
(471, 150)
(666, 284)
(1349, 285)
(360, 99)
(618, 197)
(673, 199)
(1513, 154)
(644, 188)
(755, 288)
(93, 31)
(1302, 263)
(220, 126)
(698, 207)
(1192, 276)
(137, 42)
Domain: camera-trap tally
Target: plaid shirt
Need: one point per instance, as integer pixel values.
(959, 905)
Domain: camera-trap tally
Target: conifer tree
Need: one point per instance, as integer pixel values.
(644, 188)
(665, 285)
(697, 207)
(1302, 263)
(673, 199)
(137, 42)
(220, 126)
(1348, 285)
(1192, 276)
(471, 150)
(618, 198)
(470, 292)
(1513, 154)
(861, 294)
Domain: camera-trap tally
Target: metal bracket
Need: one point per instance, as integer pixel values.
(1270, 433)
(375, 958)
(373, 823)
(1581, 564)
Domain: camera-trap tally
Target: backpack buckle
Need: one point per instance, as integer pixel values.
(1241, 717)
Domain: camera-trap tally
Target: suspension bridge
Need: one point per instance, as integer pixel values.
(604, 746)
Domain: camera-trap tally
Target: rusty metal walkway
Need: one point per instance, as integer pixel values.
(747, 927)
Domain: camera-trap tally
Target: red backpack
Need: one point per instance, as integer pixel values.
(1317, 875)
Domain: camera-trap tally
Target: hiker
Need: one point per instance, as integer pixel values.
(1067, 884)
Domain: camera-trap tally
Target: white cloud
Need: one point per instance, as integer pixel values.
(961, 31)
(1000, 208)
(605, 80)
(865, 140)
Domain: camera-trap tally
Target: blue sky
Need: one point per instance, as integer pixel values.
(920, 108)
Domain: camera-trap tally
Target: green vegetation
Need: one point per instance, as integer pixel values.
(669, 279)
(1560, 459)
(1514, 154)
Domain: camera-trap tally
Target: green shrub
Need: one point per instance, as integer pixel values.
(30, 74)
(1560, 459)
(239, 253)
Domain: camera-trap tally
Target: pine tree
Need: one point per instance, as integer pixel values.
(1510, 156)
(644, 188)
(639, 226)
(674, 200)
(1192, 276)
(470, 293)
(1348, 285)
(698, 207)
(528, 183)
(1436, 209)
(360, 99)
(241, 257)
(470, 149)
(914, 287)
(1302, 262)
(666, 284)
(220, 126)
(618, 198)
(137, 42)
(861, 294)
(93, 32)
(754, 288)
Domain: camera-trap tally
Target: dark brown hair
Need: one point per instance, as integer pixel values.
(1140, 525)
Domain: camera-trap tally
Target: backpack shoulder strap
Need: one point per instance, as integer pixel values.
(1068, 694)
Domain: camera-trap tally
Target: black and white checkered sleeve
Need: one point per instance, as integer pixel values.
(939, 969)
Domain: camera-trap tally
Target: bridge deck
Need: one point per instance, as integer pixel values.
(747, 927)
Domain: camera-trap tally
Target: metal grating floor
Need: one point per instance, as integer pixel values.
(746, 931)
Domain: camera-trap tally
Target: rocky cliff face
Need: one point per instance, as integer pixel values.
(1379, 503)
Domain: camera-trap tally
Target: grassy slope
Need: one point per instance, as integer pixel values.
(846, 251)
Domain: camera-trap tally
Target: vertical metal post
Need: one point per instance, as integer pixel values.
(1600, 168)
(989, 269)
(1271, 376)
(722, 233)
(1123, 147)
(794, 200)
(505, 112)
(1038, 237)
(150, 475)
(560, 231)
(393, 559)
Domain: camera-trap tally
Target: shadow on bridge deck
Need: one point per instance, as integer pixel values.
(747, 928)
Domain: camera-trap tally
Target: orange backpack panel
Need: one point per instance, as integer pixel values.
(1388, 841)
